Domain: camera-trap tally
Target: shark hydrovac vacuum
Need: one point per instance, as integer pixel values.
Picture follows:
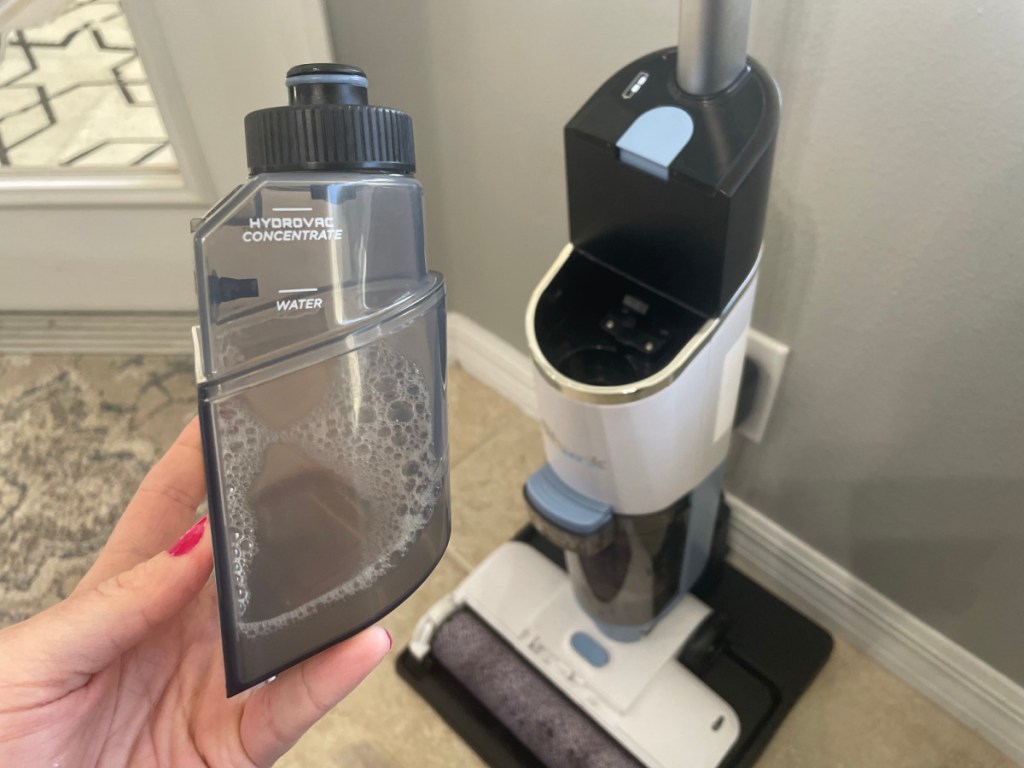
(612, 632)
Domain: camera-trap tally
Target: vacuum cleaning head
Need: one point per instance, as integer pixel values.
(491, 684)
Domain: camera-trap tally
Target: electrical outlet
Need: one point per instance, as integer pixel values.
(770, 357)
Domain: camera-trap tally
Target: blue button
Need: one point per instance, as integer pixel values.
(589, 649)
(654, 139)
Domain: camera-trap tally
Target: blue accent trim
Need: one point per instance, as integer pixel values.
(589, 649)
(654, 139)
(563, 506)
(358, 80)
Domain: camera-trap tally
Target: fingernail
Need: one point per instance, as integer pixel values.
(188, 542)
(391, 640)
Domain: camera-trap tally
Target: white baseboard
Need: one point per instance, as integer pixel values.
(492, 360)
(975, 693)
(124, 333)
(972, 691)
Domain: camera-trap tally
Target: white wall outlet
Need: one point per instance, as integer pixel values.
(770, 356)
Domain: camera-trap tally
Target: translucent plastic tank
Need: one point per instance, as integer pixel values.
(321, 361)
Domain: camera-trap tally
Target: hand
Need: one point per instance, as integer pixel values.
(128, 669)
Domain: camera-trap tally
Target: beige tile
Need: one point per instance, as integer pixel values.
(858, 715)
(384, 723)
(444, 579)
(487, 489)
(475, 414)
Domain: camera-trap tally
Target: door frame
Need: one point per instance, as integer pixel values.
(81, 240)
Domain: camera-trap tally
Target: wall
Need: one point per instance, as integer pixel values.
(892, 254)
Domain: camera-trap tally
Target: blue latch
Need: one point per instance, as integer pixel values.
(654, 139)
(563, 506)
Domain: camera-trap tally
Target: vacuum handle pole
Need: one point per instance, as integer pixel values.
(712, 44)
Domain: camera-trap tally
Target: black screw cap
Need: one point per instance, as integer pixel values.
(328, 125)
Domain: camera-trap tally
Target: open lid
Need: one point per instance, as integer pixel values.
(668, 164)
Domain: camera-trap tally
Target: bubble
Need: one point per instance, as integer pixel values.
(384, 451)
(388, 386)
(401, 411)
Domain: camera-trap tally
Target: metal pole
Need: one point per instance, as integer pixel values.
(712, 44)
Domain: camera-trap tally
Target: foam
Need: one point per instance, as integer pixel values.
(382, 448)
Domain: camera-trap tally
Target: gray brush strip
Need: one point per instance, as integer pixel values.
(547, 723)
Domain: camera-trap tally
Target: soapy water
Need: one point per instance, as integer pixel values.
(383, 447)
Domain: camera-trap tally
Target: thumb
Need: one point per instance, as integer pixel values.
(90, 629)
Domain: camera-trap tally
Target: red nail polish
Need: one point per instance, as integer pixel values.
(188, 542)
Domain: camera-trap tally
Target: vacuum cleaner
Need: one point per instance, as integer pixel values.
(612, 631)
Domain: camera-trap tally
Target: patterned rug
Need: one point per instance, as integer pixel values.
(77, 434)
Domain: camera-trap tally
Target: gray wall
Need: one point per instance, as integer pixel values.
(893, 259)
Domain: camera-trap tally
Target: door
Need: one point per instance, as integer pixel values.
(119, 122)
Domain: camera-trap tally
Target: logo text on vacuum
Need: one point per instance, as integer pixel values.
(590, 461)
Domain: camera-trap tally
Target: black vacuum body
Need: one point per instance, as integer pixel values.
(694, 234)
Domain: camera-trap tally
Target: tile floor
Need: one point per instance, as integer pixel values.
(108, 417)
(73, 93)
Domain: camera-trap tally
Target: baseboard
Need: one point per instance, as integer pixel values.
(492, 360)
(972, 691)
(124, 333)
(969, 689)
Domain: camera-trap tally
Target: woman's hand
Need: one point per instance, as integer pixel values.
(128, 669)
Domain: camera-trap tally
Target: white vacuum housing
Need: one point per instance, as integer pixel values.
(642, 445)
(638, 331)
(612, 632)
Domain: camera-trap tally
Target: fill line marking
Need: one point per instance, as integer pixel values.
(296, 290)
(291, 209)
